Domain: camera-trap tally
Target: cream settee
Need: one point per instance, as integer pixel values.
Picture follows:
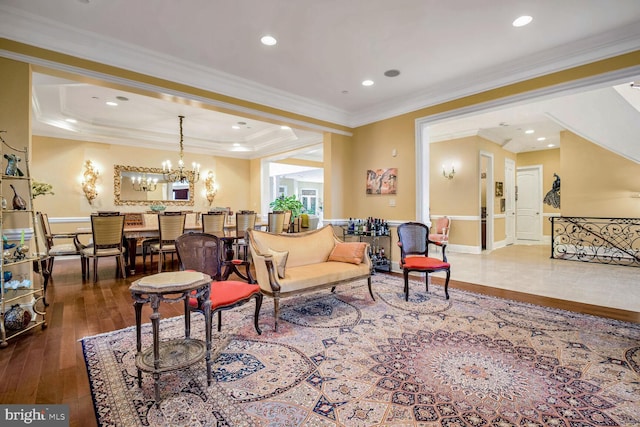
(287, 264)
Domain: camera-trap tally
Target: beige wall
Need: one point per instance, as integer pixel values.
(372, 149)
(60, 162)
(597, 182)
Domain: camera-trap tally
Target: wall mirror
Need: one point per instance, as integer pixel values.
(130, 193)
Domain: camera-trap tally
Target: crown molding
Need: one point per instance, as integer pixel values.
(46, 34)
(41, 32)
(602, 46)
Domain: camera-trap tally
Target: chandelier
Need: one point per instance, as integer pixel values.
(144, 183)
(181, 175)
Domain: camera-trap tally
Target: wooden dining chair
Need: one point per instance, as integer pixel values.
(107, 232)
(213, 223)
(203, 252)
(58, 249)
(170, 227)
(413, 240)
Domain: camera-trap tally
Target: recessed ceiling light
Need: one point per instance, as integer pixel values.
(529, 131)
(71, 120)
(542, 138)
(285, 127)
(122, 98)
(236, 144)
(392, 73)
(521, 21)
(367, 83)
(235, 127)
(112, 104)
(551, 145)
(268, 40)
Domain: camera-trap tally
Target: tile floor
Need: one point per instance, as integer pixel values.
(529, 268)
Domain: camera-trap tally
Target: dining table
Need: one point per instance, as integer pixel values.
(133, 234)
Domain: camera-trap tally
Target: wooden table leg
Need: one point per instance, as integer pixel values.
(132, 243)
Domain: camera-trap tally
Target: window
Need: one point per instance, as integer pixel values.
(309, 199)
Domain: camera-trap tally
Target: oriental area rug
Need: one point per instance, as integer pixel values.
(341, 359)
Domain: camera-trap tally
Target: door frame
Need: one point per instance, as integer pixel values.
(490, 200)
(510, 201)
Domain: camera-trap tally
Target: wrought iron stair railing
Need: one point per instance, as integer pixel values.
(600, 240)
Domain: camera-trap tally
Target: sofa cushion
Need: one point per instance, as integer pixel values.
(279, 261)
(309, 276)
(351, 252)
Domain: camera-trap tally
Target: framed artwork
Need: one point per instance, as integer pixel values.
(499, 192)
(382, 181)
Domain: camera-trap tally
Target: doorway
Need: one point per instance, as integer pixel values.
(529, 204)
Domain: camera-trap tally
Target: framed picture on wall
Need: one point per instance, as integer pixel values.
(382, 181)
(499, 192)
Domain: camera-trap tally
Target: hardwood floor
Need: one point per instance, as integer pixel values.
(47, 366)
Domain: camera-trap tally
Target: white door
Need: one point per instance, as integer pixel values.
(510, 201)
(529, 204)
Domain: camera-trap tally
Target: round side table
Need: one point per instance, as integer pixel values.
(172, 354)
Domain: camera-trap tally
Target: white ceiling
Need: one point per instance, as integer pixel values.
(443, 50)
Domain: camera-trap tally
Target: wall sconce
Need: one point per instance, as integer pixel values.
(89, 181)
(211, 188)
(450, 174)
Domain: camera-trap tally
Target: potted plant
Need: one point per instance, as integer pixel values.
(290, 203)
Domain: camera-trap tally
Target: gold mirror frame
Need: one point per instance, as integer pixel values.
(117, 188)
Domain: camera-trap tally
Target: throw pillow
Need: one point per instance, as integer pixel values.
(351, 252)
(280, 261)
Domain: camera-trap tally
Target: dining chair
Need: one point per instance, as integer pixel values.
(275, 222)
(107, 232)
(58, 249)
(213, 222)
(245, 220)
(413, 240)
(287, 222)
(202, 252)
(170, 227)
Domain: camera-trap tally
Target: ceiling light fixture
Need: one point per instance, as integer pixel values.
(542, 138)
(529, 131)
(181, 175)
(268, 40)
(635, 85)
(112, 104)
(521, 21)
(551, 145)
(285, 127)
(367, 83)
(392, 73)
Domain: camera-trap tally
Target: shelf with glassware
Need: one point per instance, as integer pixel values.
(374, 231)
(22, 300)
